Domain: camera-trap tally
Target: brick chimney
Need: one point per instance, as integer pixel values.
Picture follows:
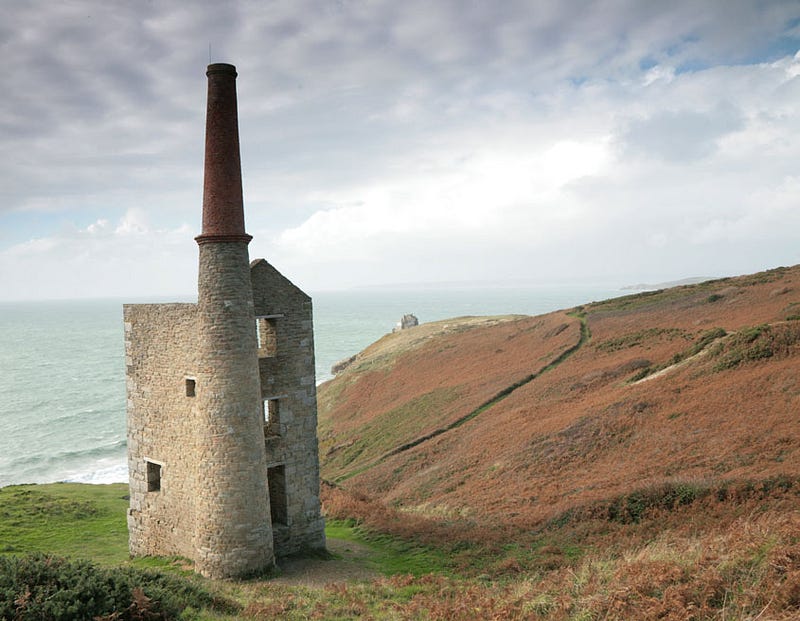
(223, 207)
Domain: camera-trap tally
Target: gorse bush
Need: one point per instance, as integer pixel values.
(756, 343)
(49, 587)
(703, 341)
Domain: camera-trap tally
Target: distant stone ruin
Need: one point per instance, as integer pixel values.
(408, 321)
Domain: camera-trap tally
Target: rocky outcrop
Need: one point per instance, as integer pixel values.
(340, 366)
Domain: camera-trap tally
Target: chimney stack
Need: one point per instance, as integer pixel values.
(223, 207)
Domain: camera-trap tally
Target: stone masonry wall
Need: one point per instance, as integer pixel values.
(213, 495)
(160, 354)
(288, 375)
(233, 533)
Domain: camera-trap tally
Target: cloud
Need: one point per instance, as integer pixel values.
(691, 186)
(385, 140)
(485, 191)
(130, 258)
(681, 136)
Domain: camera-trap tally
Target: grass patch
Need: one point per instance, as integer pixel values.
(391, 555)
(383, 433)
(629, 302)
(627, 557)
(66, 519)
(761, 278)
(693, 293)
(635, 339)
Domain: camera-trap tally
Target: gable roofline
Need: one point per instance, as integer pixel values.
(262, 264)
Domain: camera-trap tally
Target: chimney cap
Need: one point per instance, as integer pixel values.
(221, 68)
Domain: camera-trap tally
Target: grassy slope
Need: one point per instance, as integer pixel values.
(409, 385)
(692, 473)
(65, 519)
(580, 432)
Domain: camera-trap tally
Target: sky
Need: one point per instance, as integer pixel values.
(383, 142)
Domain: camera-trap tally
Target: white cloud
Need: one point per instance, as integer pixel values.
(704, 157)
(387, 141)
(770, 214)
(662, 73)
(487, 192)
(129, 259)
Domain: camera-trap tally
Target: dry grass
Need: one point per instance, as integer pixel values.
(726, 552)
(585, 495)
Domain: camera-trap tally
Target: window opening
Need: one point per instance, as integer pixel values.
(153, 476)
(267, 336)
(272, 417)
(190, 386)
(276, 479)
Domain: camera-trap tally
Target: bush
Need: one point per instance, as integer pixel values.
(48, 587)
(757, 343)
(632, 508)
(705, 339)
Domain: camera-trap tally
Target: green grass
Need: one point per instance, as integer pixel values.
(642, 337)
(755, 343)
(390, 555)
(706, 292)
(66, 519)
(383, 433)
(88, 521)
(509, 580)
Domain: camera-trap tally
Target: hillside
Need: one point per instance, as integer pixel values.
(574, 427)
(664, 418)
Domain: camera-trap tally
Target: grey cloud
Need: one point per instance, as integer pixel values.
(680, 136)
(107, 98)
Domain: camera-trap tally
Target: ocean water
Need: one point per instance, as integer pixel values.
(62, 373)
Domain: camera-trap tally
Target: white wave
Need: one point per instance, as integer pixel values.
(118, 473)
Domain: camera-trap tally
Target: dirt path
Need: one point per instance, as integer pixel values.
(351, 562)
(584, 336)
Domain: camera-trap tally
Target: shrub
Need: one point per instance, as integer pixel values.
(48, 587)
(757, 343)
(705, 339)
(633, 507)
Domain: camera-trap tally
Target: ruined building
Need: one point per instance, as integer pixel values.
(222, 414)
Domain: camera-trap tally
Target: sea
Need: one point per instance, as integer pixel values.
(62, 365)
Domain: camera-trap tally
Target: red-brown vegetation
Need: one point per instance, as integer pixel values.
(532, 432)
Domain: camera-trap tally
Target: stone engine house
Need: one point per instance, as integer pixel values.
(221, 395)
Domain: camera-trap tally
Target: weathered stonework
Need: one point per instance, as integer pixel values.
(222, 418)
(406, 322)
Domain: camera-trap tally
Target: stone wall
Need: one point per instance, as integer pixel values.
(288, 379)
(160, 356)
